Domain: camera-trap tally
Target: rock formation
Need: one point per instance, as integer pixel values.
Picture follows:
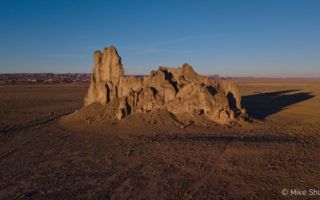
(178, 90)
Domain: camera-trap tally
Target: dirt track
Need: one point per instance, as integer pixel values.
(39, 159)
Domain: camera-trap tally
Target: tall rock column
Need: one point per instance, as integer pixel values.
(105, 78)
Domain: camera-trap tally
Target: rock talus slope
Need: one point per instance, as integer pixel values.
(180, 91)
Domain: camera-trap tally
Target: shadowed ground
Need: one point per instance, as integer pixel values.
(262, 105)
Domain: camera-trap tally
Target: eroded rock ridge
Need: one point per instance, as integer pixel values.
(178, 90)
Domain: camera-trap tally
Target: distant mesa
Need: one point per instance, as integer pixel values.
(179, 91)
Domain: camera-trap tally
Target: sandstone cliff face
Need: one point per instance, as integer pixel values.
(178, 90)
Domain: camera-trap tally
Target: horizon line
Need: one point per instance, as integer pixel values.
(224, 76)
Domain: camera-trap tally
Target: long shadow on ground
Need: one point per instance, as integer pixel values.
(261, 105)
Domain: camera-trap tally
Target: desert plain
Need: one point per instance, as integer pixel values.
(144, 157)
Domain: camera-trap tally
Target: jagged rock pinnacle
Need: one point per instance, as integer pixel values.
(178, 90)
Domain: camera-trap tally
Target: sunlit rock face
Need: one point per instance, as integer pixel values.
(178, 90)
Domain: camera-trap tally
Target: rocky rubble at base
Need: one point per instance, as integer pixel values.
(179, 91)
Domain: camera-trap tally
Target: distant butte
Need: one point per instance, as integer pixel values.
(179, 91)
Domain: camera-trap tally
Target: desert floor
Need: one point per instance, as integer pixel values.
(40, 159)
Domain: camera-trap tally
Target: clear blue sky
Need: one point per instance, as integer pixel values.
(229, 38)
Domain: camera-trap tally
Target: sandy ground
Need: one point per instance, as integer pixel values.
(41, 159)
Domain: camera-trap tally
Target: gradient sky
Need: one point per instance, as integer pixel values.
(230, 38)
